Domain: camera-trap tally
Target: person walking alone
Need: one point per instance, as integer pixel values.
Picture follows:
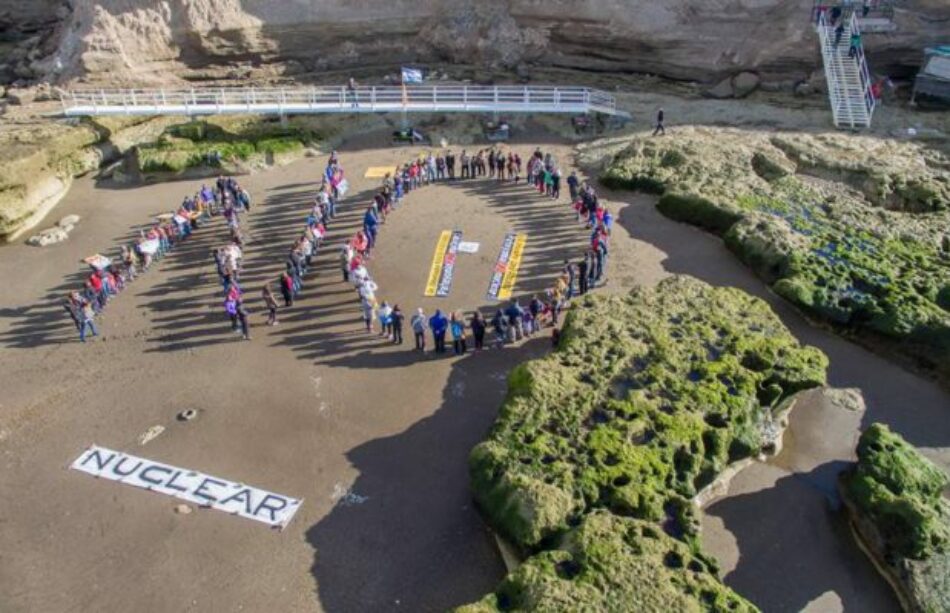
(659, 123)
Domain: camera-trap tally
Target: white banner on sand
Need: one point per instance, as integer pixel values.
(199, 488)
(468, 247)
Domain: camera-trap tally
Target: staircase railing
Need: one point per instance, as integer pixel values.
(836, 75)
(883, 9)
(863, 71)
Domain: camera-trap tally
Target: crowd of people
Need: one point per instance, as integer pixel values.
(108, 276)
(511, 322)
(227, 198)
(299, 258)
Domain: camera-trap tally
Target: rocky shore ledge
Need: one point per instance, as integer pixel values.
(599, 448)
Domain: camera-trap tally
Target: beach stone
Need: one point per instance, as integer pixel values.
(68, 220)
(21, 95)
(49, 236)
(721, 90)
(744, 84)
(803, 89)
(848, 398)
(182, 509)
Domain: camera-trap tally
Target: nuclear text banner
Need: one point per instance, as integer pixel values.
(199, 488)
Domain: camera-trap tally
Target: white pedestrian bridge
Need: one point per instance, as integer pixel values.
(301, 100)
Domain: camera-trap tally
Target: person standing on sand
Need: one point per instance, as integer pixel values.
(396, 319)
(384, 313)
(568, 271)
(478, 330)
(86, 315)
(368, 307)
(287, 289)
(500, 324)
(242, 314)
(450, 164)
(572, 184)
(271, 302)
(659, 123)
(583, 273)
(458, 333)
(438, 324)
(346, 256)
(419, 326)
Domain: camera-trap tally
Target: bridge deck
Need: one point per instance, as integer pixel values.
(300, 100)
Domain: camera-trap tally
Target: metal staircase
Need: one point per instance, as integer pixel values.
(849, 82)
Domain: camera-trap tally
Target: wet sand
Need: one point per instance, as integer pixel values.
(777, 532)
(373, 437)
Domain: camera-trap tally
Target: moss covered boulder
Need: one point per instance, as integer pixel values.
(852, 230)
(649, 397)
(612, 563)
(223, 143)
(895, 499)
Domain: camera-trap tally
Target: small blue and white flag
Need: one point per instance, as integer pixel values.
(411, 75)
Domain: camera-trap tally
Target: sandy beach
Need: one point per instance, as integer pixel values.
(372, 436)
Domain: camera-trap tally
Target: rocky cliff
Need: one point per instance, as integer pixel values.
(144, 40)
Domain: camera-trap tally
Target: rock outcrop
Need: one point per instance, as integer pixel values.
(849, 229)
(900, 517)
(138, 40)
(648, 399)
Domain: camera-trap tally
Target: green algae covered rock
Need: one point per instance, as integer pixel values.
(852, 230)
(894, 496)
(648, 398)
(229, 141)
(611, 563)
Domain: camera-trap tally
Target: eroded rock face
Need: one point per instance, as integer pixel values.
(649, 397)
(136, 40)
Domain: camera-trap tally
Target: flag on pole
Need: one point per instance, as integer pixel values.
(411, 75)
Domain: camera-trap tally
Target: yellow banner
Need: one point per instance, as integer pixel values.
(437, 258)
(511, 274)
(378, 172)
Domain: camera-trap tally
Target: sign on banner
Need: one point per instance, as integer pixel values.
(501, 266)
(511, 272)
(199, 488)
(437, 259)
(448, 265)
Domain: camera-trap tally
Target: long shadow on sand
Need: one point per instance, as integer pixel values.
(45, 322)
(795, 546)
(416, 543)
(408, 548)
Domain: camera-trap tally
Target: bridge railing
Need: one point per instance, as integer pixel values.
(340, 99)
